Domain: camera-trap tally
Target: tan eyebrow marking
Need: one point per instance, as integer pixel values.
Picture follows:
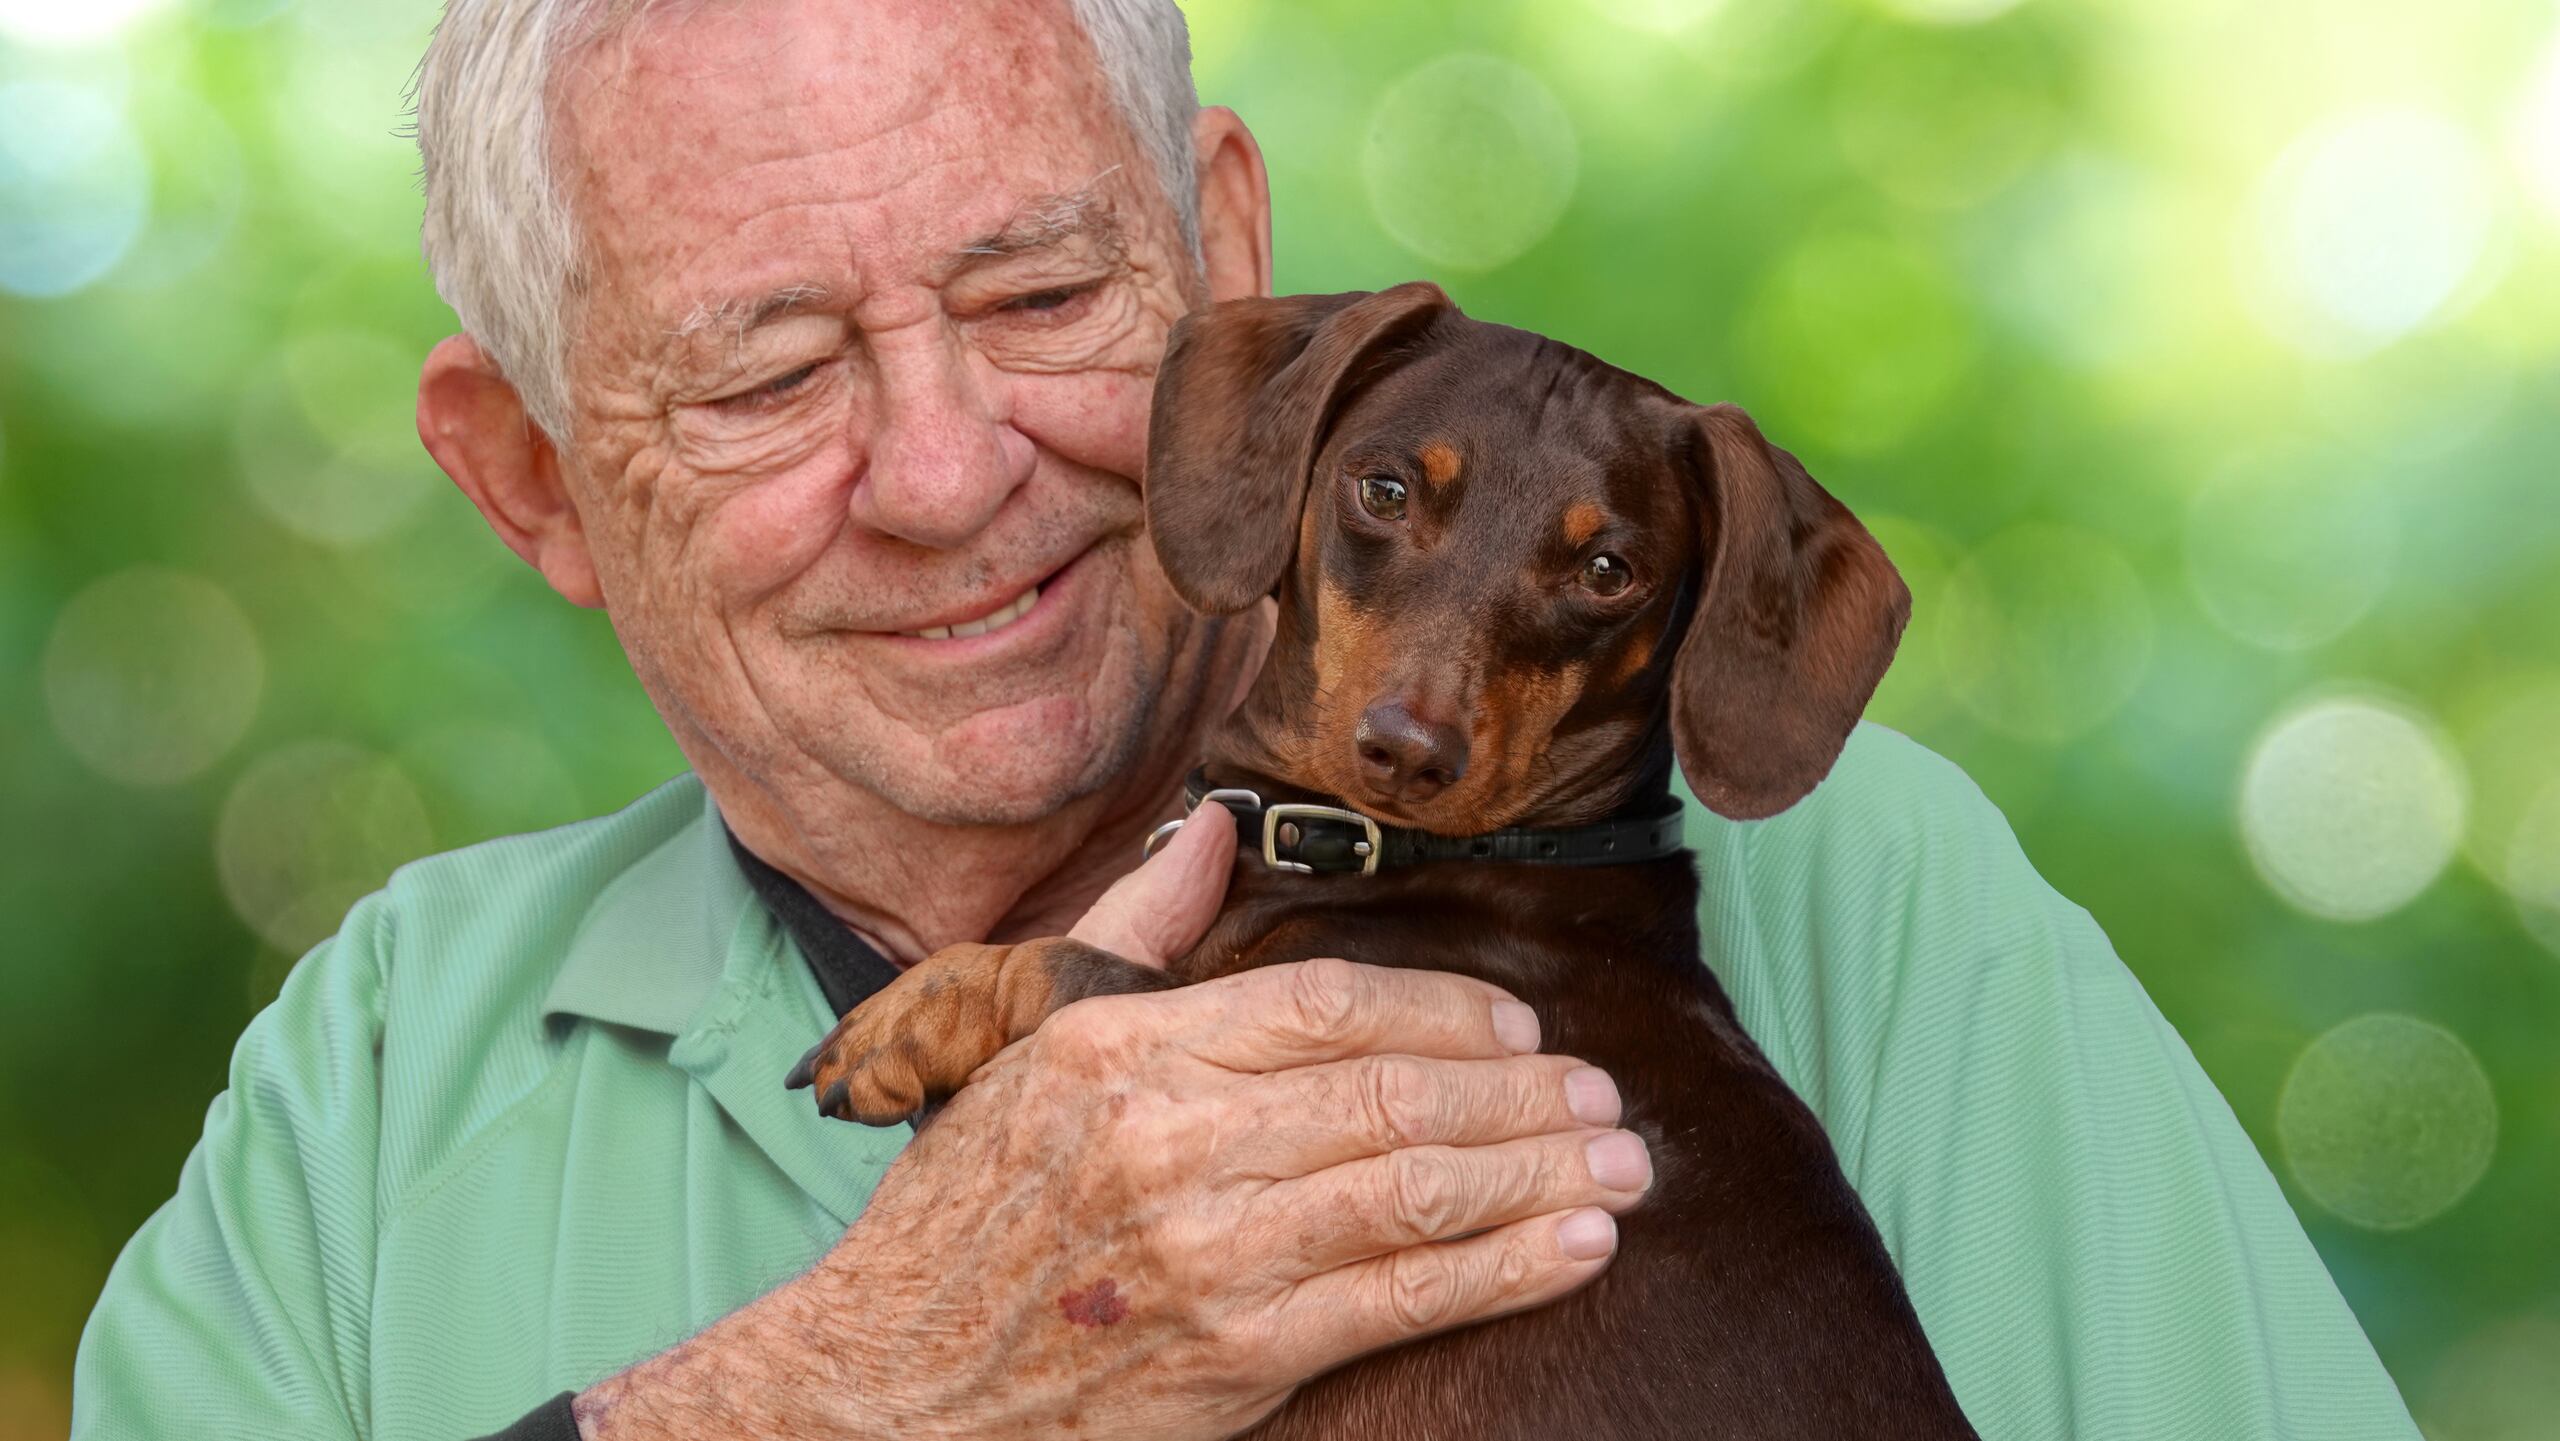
(1582, 520)
(1439, 463)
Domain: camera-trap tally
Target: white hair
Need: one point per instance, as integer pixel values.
(500, 240)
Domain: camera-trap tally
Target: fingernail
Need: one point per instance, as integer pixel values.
(1515, 1026)
(1619, 1161)
(1591, 1096)
(1587, 1235)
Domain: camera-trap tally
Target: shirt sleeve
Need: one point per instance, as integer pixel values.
(240, 1309)
(2092, 1242)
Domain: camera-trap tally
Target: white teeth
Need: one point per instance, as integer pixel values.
(1013, 611)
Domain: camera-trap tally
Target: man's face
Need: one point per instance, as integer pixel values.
(876, 296)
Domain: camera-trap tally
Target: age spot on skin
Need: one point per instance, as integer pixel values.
(1099, 1304)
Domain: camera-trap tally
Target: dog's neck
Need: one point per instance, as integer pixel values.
(1266, 737)
(1268, 746)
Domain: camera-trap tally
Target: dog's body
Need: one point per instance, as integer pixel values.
(1534, 536)
(1750, 1295)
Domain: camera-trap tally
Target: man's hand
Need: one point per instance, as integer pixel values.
(1160, 1213)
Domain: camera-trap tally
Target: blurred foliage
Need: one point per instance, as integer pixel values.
(2194, 360)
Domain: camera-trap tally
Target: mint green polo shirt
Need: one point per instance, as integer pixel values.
(521, 1123)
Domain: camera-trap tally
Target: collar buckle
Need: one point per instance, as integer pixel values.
(1234, 798)
(1296, 816)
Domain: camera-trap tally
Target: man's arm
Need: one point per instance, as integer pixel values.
(2092, 1242)
(1110, 1224)
(240, 1309)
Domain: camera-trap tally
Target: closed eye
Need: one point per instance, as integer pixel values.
(1055, 298)
(771, 390)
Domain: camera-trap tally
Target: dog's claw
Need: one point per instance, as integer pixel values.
(832, 1100)
(805, 1070)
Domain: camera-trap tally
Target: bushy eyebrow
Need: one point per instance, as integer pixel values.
(741, 314)
(1046, 222)
(1043, 222)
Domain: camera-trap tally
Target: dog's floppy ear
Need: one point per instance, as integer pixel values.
(1797, 616)
(1243, 399)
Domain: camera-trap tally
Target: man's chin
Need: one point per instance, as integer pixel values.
(1013, 766)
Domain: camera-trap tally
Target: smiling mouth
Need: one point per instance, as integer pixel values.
(1003, 615)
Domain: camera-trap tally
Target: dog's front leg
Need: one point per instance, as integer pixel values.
(922, 1036)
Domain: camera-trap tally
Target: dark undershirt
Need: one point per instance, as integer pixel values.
(849, 971)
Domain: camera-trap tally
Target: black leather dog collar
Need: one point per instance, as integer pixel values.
(1315, 839)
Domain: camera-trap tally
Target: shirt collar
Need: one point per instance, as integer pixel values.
(677, 944)
(651, 949)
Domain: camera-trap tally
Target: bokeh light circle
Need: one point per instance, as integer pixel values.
(482, 779)
(2424, 397)
(1755, 45)
(310, 829)
(1941, 120)
(2532, 870)
(2047, 631)
(2387, 1121)
(343, 163)
(2287, 550)
(2080, 258)
(1913, 693)
(71, 22)
(196, 187)
(2537, 130)
(2498, 1384)
(2350, 806)
(2367, 228)
(2508, 731)
(1658, 17)
(240, 14)
(151, 675)
(1947, 12)
(74, 186)
(326, 441)
(1860, 339)
(1470, 161)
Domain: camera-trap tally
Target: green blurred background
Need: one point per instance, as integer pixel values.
(2194, 359)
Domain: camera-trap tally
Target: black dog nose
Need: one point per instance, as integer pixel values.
(1406, 757)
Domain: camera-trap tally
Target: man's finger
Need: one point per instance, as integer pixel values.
(1421, 1194)
(1300, 1122)
(1303, 1013)
(1161, 910)
(1394, 1298)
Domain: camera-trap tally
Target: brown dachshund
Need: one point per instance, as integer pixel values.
(1512, 582)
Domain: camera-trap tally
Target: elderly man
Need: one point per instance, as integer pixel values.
(811, 340)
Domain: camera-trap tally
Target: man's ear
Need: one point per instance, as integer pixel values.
(474, 424)
(1235, 205)
(1797, 617)
(1244, 397)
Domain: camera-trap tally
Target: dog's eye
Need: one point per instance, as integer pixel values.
(1605, 575)
(1382, 497)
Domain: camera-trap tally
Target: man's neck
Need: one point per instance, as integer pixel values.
(911, 886)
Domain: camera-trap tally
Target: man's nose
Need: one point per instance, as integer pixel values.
(1408, 757)
(944, 455)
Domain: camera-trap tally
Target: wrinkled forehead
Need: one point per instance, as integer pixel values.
(704, 144)
(1513, 432)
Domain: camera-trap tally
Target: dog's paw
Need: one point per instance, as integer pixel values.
(914, 1043)
(865, 1070)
